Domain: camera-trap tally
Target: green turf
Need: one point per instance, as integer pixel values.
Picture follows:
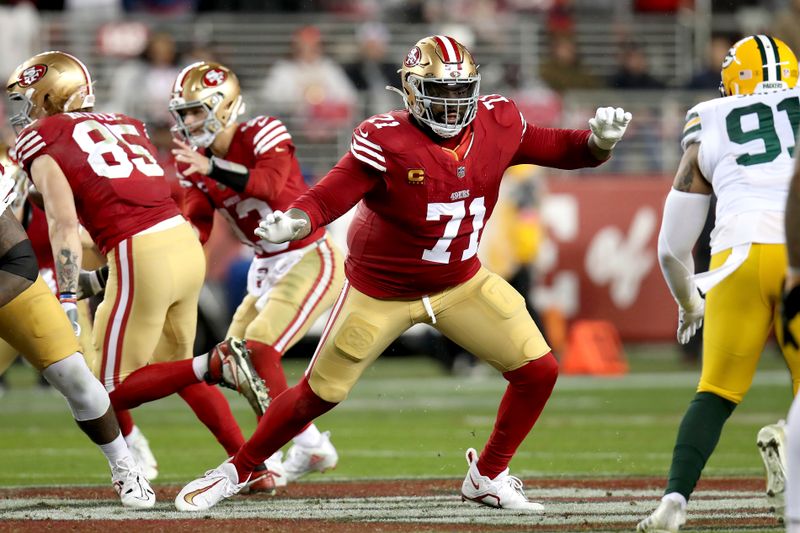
(406, 418)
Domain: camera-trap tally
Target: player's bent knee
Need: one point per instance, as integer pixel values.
(541, 372)
(87, 398)
(330, 391)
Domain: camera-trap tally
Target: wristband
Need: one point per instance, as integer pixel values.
(67, 298)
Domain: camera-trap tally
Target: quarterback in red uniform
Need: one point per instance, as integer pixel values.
(425, 180)
(100, 169)
(244, 171)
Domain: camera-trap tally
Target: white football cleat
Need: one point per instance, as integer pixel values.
(301, 460)
(129, 482)
(504, 491)
(668, 517)
(771, 442)
(206, 492)
(140, 449)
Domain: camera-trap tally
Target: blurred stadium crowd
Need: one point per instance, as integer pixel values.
(323, 65)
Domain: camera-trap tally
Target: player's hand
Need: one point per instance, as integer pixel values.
(690, 319)
(92, 282)
(7, 193)
(198, 163)
(790, 307)
(278, 227)
(70, 307)
(608, 126)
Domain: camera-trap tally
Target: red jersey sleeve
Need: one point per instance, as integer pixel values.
(196, 206)
(555, 148)
(34, 141)
(274, 153)
(337, 192)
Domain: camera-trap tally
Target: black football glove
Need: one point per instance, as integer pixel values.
(790, 307)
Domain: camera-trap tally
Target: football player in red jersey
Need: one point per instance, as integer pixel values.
(101, 169)
(245, 170)
(33, 324)
(426, 179)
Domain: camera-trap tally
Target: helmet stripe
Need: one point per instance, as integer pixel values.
(763, 51)
(449, 49)
(178, 88)
(777, 57)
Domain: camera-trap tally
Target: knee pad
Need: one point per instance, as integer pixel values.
(86, 397)
(541, 372)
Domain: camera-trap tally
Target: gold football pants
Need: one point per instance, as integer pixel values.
(484, 315)
(149, 311)
(36, 327)
(295, 302)
(740, 313)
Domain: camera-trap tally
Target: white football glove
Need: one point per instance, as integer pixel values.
(277, 227)
(7, 193)
(690, 320)
(608, 126)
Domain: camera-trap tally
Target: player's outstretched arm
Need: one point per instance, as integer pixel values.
(62, 220)
(608, 126)
(280, 227)
(685, 212)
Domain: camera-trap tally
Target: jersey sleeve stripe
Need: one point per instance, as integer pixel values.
(362, 139)
(361, 148)
(691, 123)
(268, 138)
(366, 160)
(28, 153)
(28, 139)
(691, 130)
(274, 142)
(266, 129)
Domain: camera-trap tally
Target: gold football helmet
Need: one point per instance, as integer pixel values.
(440, 84)
(210, 89)
(758, 63)
(46, 84)
(10, 169)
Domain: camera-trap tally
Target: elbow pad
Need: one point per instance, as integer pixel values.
(21, 261)
(681, 225)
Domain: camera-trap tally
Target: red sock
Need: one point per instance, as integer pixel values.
(152, 382)
(528, 390)
(211, 407)
(125, 421)
(267, 362)
(286, 416)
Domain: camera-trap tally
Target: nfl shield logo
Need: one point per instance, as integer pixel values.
(461, 172)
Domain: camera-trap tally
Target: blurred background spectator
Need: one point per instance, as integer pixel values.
(373, 69)
(562, 69)
(310, 87)
(142, 86)
(633, 70)
(785, 25)
(707, 77)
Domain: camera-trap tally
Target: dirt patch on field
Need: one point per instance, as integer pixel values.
(730, 504)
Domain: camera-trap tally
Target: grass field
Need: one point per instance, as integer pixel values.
(406, 419)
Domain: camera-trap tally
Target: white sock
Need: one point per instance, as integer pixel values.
(132, 435)
(200, 367)
(115, 450)
(676, 497)
(309, 438)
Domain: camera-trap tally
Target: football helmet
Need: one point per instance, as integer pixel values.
(10, 169)
(758, 63)
(211, 89)
(46, 84)
(440, 84)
